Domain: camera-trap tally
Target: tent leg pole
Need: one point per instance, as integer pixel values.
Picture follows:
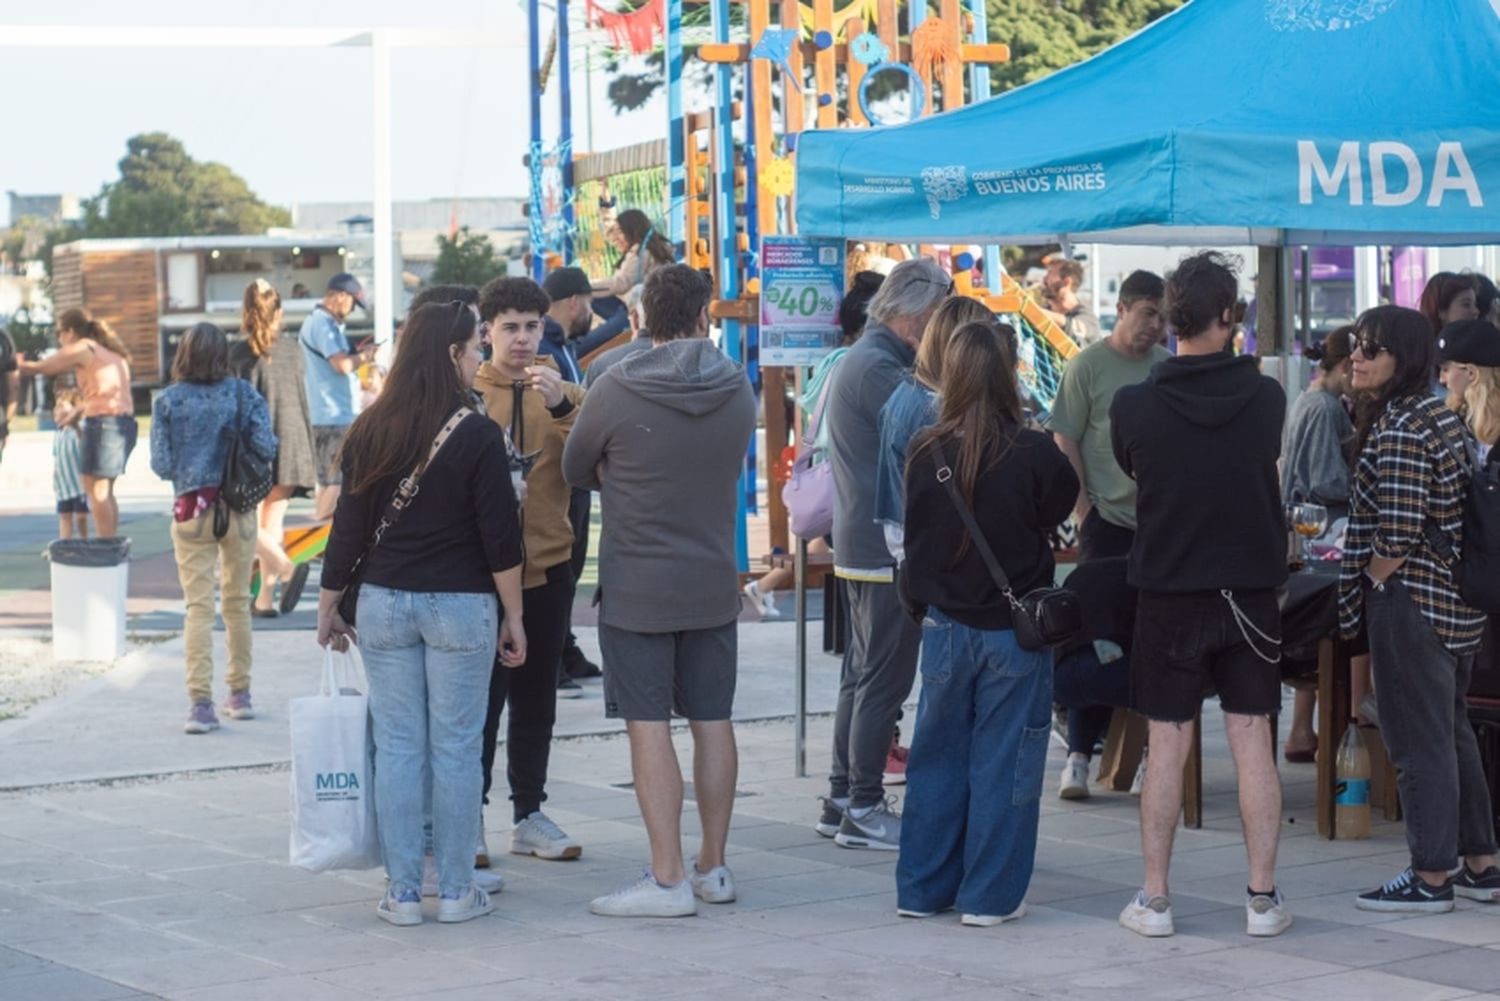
(799, 726)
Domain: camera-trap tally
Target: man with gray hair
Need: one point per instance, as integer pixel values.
(881, 661)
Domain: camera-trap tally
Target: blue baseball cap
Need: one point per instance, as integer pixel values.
(345, 282)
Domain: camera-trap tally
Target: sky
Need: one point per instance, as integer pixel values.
(295, 123)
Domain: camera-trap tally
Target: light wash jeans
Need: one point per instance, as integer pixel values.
(429, 658)
(974, 778)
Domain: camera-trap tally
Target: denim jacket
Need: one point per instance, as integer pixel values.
(188, 430)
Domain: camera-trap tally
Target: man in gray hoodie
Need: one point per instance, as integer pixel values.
(663, 439)
(881, 660)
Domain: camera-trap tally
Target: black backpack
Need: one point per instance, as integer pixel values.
(248, 475)
(1476, 569)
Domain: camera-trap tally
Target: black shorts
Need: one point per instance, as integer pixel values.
(1188, 646)
(649, 676)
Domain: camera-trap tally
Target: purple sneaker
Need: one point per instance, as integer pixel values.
(237, 706)
(201, 718)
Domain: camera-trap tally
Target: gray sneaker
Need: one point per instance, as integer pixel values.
(832, 817)
(201, 718)
(879, 829)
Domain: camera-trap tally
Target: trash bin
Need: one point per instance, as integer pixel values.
(89, 581)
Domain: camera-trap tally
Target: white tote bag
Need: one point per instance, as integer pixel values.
(333, 795)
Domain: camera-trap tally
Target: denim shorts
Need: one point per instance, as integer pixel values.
(1189, 646)
(107, 444)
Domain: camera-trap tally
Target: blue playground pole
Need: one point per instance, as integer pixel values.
(534, 62)
(676, 151)
(729, 272)
(979, 90)
(565, 140)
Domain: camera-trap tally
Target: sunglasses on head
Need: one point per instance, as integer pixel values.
(948, 285)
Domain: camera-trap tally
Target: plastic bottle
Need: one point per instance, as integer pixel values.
(1351, 820)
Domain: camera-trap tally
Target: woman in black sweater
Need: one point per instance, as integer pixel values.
(968, 837)
(427, 615)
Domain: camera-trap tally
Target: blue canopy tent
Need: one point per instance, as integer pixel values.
(1268, 122)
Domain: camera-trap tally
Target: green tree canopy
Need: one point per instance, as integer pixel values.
(162, 191)
(466, 259)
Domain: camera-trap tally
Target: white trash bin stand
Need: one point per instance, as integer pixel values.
(90, 578)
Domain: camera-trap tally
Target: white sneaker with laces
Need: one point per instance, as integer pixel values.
(1266, 916)
(716, 886)
(538, 835)
(474, 903)
(1075, 778)
(646, 898)
(402, 911)
(1148, 916)
(1140, 778)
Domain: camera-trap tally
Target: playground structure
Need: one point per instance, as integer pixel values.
(724, 177)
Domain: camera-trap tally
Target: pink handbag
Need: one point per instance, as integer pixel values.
(808, 493)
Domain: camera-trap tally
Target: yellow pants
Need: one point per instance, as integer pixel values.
(197, 554)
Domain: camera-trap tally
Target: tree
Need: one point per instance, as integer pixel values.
(1043, 35)
(162, 191)
(466, 259)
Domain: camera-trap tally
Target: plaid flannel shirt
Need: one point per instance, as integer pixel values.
(1405, 479)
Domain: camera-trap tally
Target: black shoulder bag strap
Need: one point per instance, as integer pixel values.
(1440, 544)
(945, 477)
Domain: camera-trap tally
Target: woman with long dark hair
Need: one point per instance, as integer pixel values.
(273, 365)
(1397, 584)
(969, 829)
(430, 563)
(1447, 298)
(100, 361)
(643, 249)
(192, 423)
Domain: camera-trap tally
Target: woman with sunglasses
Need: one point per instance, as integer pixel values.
(1406, 507)
(427, 616)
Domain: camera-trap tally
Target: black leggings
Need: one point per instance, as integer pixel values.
(532, 691)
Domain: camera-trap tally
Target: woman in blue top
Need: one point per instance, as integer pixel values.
(191, 427)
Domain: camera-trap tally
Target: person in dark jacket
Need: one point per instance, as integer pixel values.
(1201, 436)
(881, 661)
(968, 836)
(1092, 678)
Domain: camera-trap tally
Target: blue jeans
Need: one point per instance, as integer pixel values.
(974, 776)
(428, 657)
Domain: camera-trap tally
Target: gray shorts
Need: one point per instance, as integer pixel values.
(326, 442)
(650, 676)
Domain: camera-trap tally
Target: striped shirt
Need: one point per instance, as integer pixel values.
(65, 465)
(1406, 479)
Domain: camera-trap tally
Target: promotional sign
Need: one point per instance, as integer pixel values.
(801, 286)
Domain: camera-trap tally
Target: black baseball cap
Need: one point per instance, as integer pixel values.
(1470, 342)
(564, 283)
(345, 282)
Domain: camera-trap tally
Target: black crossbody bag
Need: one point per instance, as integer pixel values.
(1042, 618)
(406, 492)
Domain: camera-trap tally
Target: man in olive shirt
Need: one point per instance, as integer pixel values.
(1080, 416)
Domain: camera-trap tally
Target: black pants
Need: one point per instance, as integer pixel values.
(1099, 539)
(532, 691)
(1090, 690)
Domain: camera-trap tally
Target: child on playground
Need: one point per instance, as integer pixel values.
(72, 505)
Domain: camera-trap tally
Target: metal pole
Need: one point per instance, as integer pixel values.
(533, 79)
(380, 133)
(799, 725)
(1305, 297)
(565, 139)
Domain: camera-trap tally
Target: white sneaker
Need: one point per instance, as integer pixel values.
(1140, 778)
(713, 887)
(1265, 916)
(474, 903)
(1151, 917)
(489, 880)
(764, 604)
(398, 911)
(646, 898)
(1075, 779)
(991, 920)
(538, 835)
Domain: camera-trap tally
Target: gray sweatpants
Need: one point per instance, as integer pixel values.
(880, 665)
(1424, 719)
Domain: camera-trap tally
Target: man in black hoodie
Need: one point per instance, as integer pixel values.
(1201, 436)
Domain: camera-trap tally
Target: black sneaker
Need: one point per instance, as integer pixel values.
(577, 666)
(1408, 892)
(1481, 886)
(832, 817)
(291, 591)
(567, 688)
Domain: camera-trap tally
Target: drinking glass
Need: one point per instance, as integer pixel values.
(1308, 521)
